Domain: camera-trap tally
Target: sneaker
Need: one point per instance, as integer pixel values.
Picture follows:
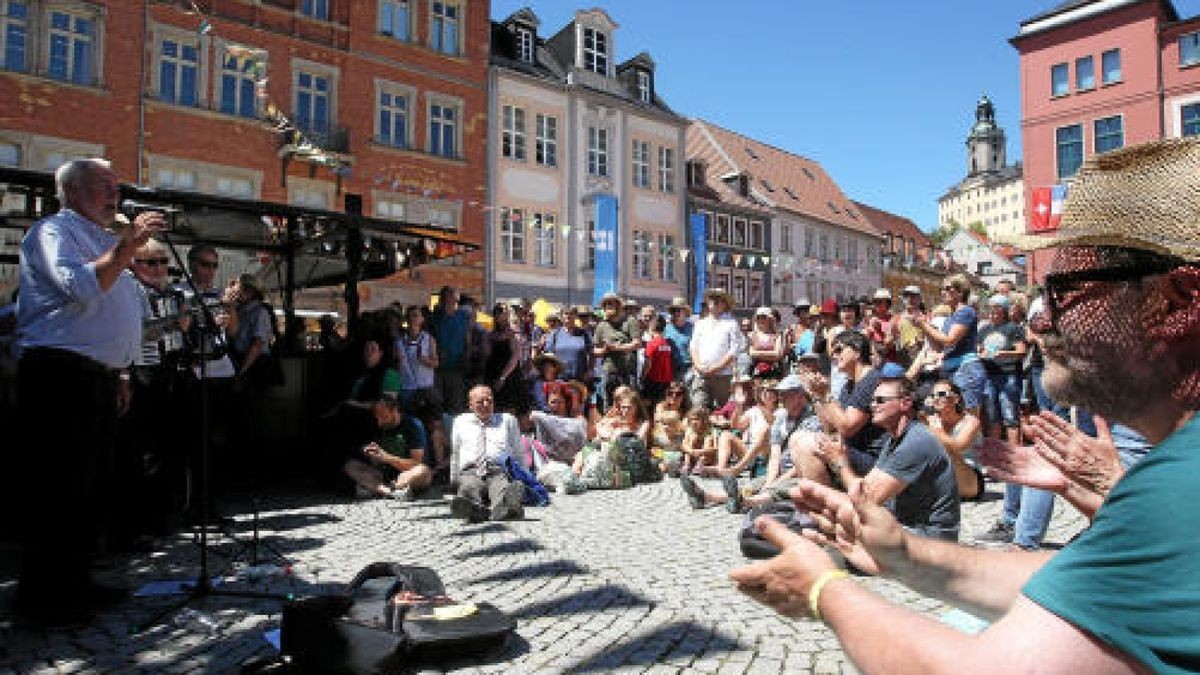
(733, 501)
(694, 494)
(1001, 533)
(468, 509)
(404, 494)
(509, 506)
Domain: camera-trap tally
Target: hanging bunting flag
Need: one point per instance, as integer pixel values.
(684, 253)
(205, 27)
(737, 259)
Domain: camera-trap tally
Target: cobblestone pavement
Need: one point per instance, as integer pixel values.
(622, 581)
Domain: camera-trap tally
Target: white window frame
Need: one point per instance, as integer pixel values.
(643, 86)
(642, 255)
(398, 92)
(176, 177)
(314, 69)
(512, 236)
(756, 235)
(546, 152)
(739, 290)
(666, 169)
(724, 231)
(1066, 70)
(1082, 148)
(525, 44)
(27, 25)
(389, 205)
(641, 164)
(221, 54)
(545, 240)
(17, 152)
(512, 133)
(212, 179)
(440, 23)
(200, 43)
(388, 10)
(785, 237)
(597, 157)
(666, 257)
(45, 35)
(444, 102)
(596, 57)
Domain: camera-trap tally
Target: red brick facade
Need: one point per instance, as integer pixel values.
(37, 107)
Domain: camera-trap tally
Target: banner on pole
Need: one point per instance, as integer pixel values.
(607, 248)
(700, 244)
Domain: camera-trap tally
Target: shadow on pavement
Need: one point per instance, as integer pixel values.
(556, 568)
(584, 602)
(506, 548)
(490, 528)
(682, 640)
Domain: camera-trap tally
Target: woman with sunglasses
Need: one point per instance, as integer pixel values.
(666, 434)
(959, 342)
(960, 434)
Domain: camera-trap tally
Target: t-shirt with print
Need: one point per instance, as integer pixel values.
(964, 316)
(995, 339)
(1130, 579)
(658, 352)
(857, 395)
(929, 499)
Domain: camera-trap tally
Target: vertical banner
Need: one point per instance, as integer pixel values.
(700, 248)
(607, 249)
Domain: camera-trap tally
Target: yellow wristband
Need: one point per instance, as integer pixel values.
(814, 592)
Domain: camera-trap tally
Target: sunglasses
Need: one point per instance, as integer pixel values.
(152, 262)
(675, 392)
(949, 288)
(880, 400)
(1060, 286)
(836, 350)
(942, 394)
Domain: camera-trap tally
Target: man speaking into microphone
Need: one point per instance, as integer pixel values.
(79, 319)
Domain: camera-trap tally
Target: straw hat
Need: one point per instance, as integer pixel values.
(720, 294)
(547, 357)
(679, 303)
(609, 298)
(1143, 197)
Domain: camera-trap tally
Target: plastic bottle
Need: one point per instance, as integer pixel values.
(197, 621)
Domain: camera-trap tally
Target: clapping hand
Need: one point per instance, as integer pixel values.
(867, 534)
(1021, 464)
(1092, 463)
(783, 582)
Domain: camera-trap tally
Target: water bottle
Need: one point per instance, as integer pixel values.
(197, 621)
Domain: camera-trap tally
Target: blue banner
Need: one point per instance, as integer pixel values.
(700, 255)
(608, 251)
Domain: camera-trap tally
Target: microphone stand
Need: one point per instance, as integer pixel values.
(203, 587)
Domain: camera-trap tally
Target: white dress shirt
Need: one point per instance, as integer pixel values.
(713, 339)
(473, 441)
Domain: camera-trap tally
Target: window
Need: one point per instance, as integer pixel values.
(312, 102)
(597, 151)
(739, 291)
(395, 19)
(756, 234)
(1060, 84)
(443, 129)
(590, 239)
(1069, 144)
(547, 140)
(809, 251)
(1109, 134)
(525, 45)
(722, 228)
(316, 9)
(722, 280)
(854, 262)
(1189, 49)
(14, 31)
(695, 172)
(1190, 120)
(1110, 66)
(175, 178)
(394, 104)
(756, 291)
(666, 257)
(512, 142)
(643, 86)
(311, 197)
(823, 248)
(545, 240)
(641, 255)
(666, 169)
(237, 85)
(641, 164)
(72, 54)
(229, 186)
(443, 27)
(595, 51)
(387, 208)
(512, 235)
(739, 232)
(1085, 74)
(785, 237)
(10, 154)
(178, 66)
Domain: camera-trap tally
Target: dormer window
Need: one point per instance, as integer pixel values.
(525, 45)
(695, 173)
(743, 183)
(643, 86)
(595, 51)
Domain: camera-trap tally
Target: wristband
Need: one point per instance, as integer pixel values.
(814, 592)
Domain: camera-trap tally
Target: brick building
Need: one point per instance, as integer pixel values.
(388, 96)
(1098, 75)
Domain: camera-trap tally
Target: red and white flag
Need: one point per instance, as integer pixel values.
(1047, 208)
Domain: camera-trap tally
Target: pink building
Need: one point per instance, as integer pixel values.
(1097, 75)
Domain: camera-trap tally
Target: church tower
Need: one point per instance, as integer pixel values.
(985, 143)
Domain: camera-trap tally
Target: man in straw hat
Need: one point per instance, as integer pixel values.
(615, 341)
(716, 342)
(1122, 338)
(679, 336)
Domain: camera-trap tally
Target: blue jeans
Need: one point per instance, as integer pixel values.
(1002, 399)
(1028, 510)
(971, 379)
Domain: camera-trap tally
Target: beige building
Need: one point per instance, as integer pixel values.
(993, 192)
(570, 123)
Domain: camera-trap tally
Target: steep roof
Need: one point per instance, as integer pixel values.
(777, 178)
(885, 222)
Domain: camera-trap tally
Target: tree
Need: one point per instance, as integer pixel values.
(978, 228)
(940, 236)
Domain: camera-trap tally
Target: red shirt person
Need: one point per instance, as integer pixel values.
(657, 372)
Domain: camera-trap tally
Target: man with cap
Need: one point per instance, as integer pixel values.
(615, 343)
(1122, 338)
(716, 342)
(679, 336)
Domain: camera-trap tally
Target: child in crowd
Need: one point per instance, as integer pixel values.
(699, 447)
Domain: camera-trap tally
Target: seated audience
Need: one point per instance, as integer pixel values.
(392, 465)
(563, 429)
(482, 439)
(742, 447)
(699, 445)
(627, 416)
(959, 433)
(666, 434)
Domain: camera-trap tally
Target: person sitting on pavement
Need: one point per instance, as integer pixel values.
(850, 415)
(743, 446)
(666, 434)
(699, 446)
(563, 429)
(626, 417)
(960, 434)
(393, 464)
(794, 426)
(913, 474)
(481, 440)
(1122, 341)
(549, 374)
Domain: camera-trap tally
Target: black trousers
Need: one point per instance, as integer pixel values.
(67, 409)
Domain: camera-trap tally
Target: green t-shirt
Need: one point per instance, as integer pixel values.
(390, 384)
(618, 332)
(1130, 579)
(395, 442)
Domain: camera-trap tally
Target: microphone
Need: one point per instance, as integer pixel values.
(131, 208)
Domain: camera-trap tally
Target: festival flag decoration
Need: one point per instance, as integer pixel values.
(1047, 208)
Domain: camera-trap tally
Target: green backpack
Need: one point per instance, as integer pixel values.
(604, 467)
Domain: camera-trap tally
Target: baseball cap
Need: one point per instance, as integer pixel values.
(791, 383)
(891, 371)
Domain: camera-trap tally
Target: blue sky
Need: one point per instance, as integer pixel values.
(880, 92)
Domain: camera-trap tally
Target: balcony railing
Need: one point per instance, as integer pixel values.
(331, 140)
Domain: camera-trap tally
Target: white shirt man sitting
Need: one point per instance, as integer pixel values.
(482, 439)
